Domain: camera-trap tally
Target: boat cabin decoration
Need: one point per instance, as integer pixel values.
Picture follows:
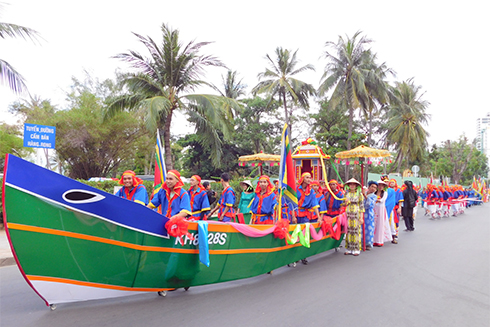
(307, 159)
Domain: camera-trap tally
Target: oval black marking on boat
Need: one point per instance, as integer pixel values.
(81, 196)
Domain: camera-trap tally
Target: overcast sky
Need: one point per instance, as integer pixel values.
(442, 45)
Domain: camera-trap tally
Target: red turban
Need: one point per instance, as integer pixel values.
(136, 180)
(270, 187)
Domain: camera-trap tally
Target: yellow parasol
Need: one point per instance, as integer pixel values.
(363, 151)
(259, 159)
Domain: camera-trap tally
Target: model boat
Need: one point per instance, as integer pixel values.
(73, 242)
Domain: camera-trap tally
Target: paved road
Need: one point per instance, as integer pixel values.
(438, 275)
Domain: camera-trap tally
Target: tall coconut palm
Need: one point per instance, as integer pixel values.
(405, 116)
(233, 88)
(165, 82)
(347, 72)
(378, 91)
(8, 75)
(279, 81)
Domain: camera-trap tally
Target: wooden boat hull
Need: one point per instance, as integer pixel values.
(104, 246)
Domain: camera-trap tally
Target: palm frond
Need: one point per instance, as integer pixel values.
(10, 77)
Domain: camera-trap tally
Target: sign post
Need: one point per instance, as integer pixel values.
(39, 136)
(416, 169)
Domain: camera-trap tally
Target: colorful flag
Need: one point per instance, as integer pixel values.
(160, 172)
(287, 180)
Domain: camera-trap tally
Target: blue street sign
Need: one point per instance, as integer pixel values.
(39, 136)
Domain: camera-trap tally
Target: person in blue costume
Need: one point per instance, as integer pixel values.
(447, 197)
(172, 197)
(307, 203)
(226, 202)
(369, 203)
(198, 199)
(315, 185)
(390, 205)
(133, 188)
(334, 203)
(264, 203)
(397, 210)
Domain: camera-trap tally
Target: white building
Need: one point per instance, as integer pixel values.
(483, 135)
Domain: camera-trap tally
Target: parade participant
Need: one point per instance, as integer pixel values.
(423, 194)
(246, 198)
(286, 212)
(382, 231)
(411, 197)
(225, 205)
(333, 205)
(133, 188)
(448, 197)
(276, 187)
(432, 198)
(415, 209)
(198, 199)
(211, 193)
(390, 205)
(458, 196)
(397, 210)
(354, 207)
(369, 203)
(264, 203)
(323, 187)
(307, 203)
(315, 185)
(172, 197)
(440, 203)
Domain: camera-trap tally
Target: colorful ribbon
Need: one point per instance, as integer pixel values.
(202, 228)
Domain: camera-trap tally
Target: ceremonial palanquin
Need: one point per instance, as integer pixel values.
(73, 242)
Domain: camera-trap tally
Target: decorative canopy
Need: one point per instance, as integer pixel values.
(363, 151)
(259, 159)
(309, 150)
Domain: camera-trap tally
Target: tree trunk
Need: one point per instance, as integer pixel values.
(396, 160)
(286, 111)
(46, 154)
(351, 122)
(370, 132)
(166, 140)
(349, 135)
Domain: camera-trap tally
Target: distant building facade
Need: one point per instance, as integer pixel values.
(483, 135)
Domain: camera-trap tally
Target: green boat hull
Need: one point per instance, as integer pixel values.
(56, 245)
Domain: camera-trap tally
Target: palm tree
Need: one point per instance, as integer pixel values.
(405, 116)
(164, 82)
(280, 81)
(378, 92)
(348, 72)
(232, 88)
(8, 74)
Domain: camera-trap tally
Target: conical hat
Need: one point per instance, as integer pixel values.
(352, 180)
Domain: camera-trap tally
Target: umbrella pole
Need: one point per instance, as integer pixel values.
(363, 222)
(362, 174)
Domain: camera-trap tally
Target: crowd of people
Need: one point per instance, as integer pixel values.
(443, 201)
(378, 207)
